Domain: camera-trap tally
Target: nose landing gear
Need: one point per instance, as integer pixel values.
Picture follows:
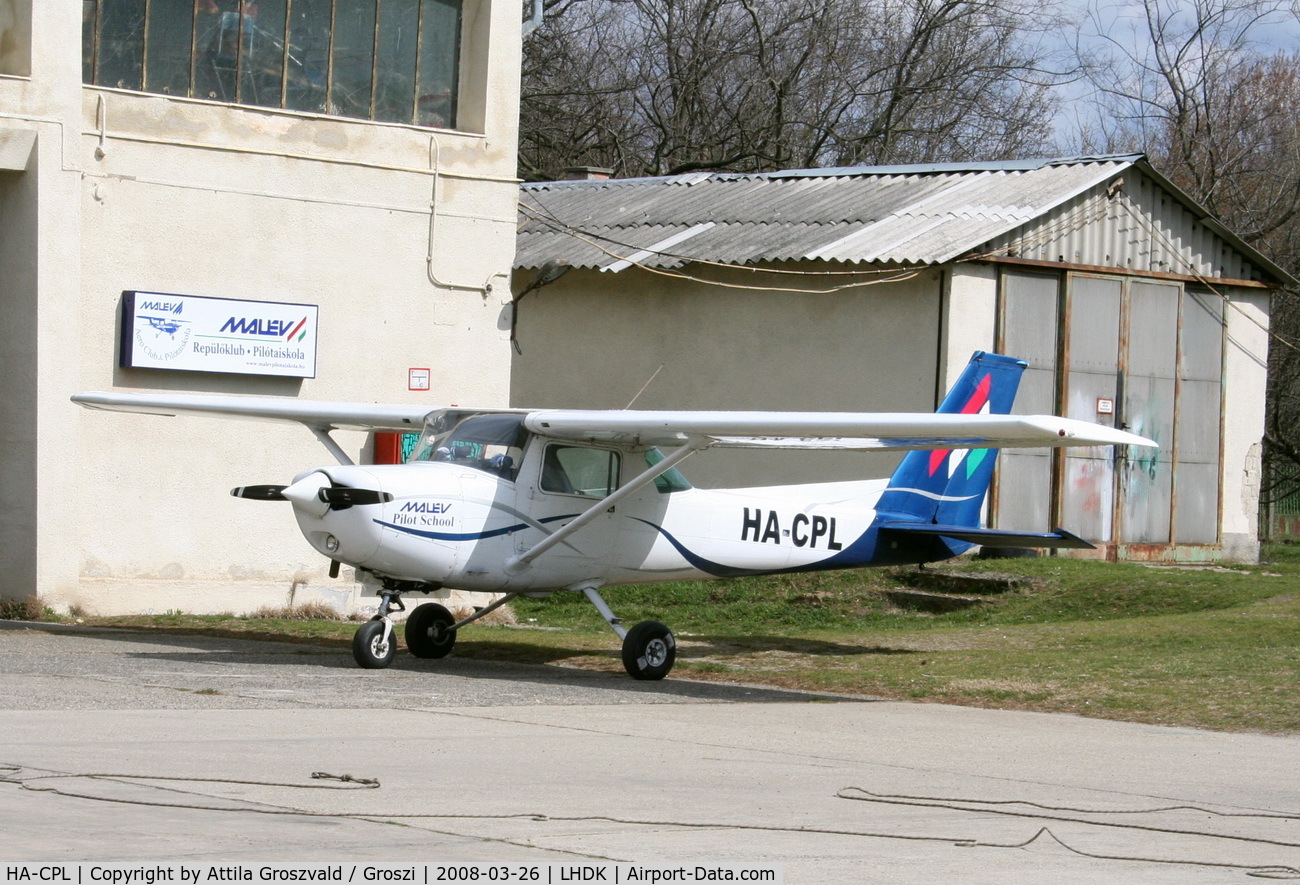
(430, 629)
(373, 645)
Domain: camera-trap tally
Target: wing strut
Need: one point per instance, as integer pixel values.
(519, 562)
(323, 434)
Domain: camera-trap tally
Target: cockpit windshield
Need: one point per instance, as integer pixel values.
(491, 442)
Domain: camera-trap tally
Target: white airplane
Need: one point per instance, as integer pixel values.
(525, 503)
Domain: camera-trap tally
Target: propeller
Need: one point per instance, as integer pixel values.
(342, 497)
(338, 497)
(260, 493)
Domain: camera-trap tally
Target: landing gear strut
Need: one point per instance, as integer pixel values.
(649, 649)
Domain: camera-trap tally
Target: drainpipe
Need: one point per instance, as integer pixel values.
(539, 16)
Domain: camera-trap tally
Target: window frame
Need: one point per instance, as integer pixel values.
(551, 461)
(416, 101)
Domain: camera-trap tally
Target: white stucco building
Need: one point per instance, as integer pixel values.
(355, 161)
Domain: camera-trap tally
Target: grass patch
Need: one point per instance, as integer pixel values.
(1208, 647)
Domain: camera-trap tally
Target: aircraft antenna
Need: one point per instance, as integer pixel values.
(644, 386)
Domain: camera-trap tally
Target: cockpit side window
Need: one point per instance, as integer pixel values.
(578, 470)
(493, 443)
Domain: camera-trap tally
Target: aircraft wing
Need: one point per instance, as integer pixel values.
(828, 430)
(320, 415)
(792, 430)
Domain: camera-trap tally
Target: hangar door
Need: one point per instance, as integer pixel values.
(1139, 354)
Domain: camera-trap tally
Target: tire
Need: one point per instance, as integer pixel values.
(369, 649)
(649, 651)
(428, 631)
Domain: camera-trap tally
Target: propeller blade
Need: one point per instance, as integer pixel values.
(341, 498)
(260, 493)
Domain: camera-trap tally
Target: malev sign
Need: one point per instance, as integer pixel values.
(189, 333)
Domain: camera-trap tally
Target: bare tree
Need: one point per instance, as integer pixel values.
(1196, 86)
(666, 86)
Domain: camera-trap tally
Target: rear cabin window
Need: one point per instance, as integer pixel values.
(671, 480)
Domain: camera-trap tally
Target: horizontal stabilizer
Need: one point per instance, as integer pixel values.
(1059, 538)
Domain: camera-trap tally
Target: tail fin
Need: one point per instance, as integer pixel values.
(947, 486)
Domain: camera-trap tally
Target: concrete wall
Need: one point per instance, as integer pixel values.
(403, 237)
(969, 317)
(1245, 380)
(593, 340)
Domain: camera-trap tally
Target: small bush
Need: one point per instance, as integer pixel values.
(30, 609)
(302, 611)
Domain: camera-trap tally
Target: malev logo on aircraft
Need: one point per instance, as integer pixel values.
(425, 513)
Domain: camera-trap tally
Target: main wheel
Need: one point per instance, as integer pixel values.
(428, 631)
(369, 647)
(649, 651)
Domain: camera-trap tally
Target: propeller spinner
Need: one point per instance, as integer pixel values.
(338, 497)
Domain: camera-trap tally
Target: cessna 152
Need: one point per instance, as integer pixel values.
(525, 503)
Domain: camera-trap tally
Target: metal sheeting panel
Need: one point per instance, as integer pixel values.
(1093, 327)
(851, 216)
(1092, 211)
(1200, 411)
(1136, 226)
(1148, 408)
(1029, 327)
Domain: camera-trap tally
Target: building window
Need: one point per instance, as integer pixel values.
(394, 61)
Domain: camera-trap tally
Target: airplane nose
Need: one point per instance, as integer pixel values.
(305, 494)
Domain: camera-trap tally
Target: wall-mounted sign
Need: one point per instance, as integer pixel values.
(418, 379)
(1105, 406)
(189, 333)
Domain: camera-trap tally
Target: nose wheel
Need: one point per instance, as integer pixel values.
(374, 645)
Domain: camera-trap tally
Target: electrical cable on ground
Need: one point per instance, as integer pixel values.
(986, 806)
(979, 806)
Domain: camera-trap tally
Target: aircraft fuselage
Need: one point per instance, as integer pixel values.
(458, 526)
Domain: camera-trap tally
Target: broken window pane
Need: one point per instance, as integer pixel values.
(167, 51)
(399, 23)
(353, 58)
(121, 44)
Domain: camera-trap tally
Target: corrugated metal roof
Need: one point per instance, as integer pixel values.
(927, 214)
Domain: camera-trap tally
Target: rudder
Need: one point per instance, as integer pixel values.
(947, 486)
